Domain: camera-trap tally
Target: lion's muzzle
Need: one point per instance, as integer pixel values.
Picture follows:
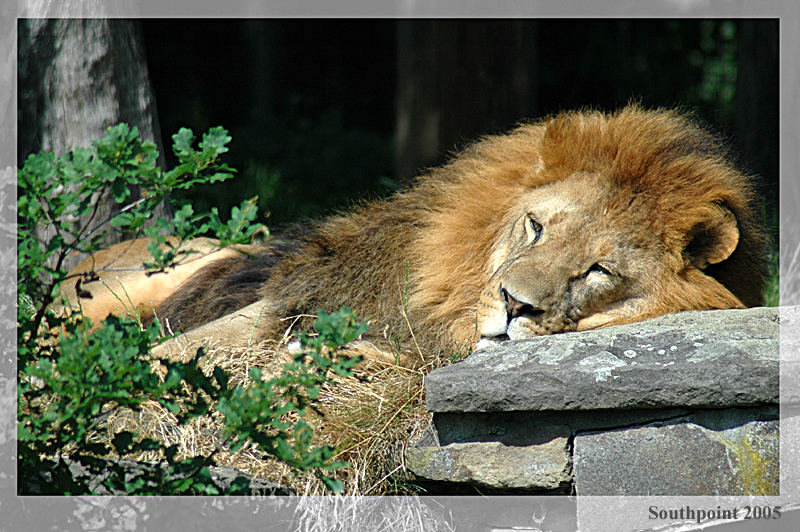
(516, 308)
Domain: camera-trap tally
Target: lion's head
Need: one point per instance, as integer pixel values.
(581, 253)
(592, 219)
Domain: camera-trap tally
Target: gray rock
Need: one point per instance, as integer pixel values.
(495, 465)
(713, 453)
(689, 359)
(532, 450)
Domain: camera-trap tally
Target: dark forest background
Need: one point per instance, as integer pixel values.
(325, 112)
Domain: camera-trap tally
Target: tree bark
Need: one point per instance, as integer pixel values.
(77, 77)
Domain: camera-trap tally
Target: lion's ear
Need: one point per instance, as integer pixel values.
(714, 239)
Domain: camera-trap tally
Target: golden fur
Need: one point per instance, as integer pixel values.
(121, 285)
(641, 213)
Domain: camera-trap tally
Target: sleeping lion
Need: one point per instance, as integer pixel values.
(570, 223)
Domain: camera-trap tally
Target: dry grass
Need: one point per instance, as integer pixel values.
(368, 418)
(333, 514)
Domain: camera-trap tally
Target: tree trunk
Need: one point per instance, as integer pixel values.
(77, 77)
(457, 80)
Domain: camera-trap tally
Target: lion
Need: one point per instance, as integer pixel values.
(577, 221)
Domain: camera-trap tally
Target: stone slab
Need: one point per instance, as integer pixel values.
(690, 359)
(530, 450)
(712, 453)
(495, 465)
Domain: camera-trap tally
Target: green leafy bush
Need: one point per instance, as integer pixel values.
(72, 378)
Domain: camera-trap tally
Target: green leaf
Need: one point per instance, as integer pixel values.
(134, 485)
(220, 176)
(215, 140)
(334, 484)
(240, 486)
(182, 144)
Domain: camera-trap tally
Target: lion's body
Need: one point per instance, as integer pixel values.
(122, 286)
(567, 224)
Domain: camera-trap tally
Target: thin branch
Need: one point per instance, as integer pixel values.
(109, 218)
(96, 207)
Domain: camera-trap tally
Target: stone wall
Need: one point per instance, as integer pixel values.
(684, 404)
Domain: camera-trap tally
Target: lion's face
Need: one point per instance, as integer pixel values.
(575, 256)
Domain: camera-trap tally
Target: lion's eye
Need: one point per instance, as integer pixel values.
(598, 268)
(536, 229)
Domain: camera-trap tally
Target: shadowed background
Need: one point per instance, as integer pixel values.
(324, 111)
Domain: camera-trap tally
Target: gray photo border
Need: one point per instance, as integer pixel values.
(277, 513)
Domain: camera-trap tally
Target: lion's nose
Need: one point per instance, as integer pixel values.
(516, 308)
